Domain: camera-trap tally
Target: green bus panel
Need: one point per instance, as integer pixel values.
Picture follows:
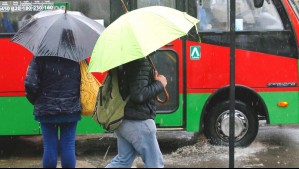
(280, 115)
(277, 115)
(88, 126)
(17, 117)
(17, 114)
(195, 105)
(194, 108)
(171, 119)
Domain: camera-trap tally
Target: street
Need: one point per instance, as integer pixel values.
(274, 147)
(205, 52)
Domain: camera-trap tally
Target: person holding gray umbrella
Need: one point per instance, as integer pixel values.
(59, 40)
(52, 85)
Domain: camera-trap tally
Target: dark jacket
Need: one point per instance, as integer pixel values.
(137, 80)
(52, 85)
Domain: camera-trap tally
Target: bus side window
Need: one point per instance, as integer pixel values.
(250, 18)
(268, 18)
(1, 25)
(204, 15)
(7, 25)
(146, 3)
(212, 15)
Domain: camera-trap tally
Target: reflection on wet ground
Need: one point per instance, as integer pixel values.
(93, 151)
(274, 147)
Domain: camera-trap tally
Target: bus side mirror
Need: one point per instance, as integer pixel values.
(258, 3)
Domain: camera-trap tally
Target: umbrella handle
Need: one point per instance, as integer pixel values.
(166, 97)
(165, 90)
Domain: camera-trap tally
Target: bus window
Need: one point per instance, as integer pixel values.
(93, 9)
(145, 3)
(214, 16)
(1, 25)
(6, 23)
(264, 29)
(12, 21)
(264, 18)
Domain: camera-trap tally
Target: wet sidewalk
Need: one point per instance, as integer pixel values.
(274, 147)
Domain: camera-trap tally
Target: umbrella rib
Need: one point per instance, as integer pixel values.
(71, 46)
(139, 40)
(90, 25)
(80, 32)
(135, 37)
(48, 29)
(33, 36)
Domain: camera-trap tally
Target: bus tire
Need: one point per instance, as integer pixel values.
(216, 127)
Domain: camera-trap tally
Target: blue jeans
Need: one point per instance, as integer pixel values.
(137, 138)
(65, 145)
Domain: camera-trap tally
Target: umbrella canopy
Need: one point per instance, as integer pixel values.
(69, 34)
(138, 33)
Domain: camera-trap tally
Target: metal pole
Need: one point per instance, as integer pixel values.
(232, 84)
(124, 5)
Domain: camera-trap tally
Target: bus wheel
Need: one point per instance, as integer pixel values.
(216, 128)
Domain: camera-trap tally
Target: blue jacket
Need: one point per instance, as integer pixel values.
(52, 85)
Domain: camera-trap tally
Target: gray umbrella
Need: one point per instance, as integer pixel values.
(67, 34)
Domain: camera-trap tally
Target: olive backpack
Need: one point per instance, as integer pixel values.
(109, 110)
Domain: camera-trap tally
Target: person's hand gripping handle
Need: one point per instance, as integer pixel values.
(163, 80)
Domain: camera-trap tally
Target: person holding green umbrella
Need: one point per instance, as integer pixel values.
(137, 133)
(126, 44)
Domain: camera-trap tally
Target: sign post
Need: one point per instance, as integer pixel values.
(232, 84)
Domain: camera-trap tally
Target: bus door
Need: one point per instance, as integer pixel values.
(168, 63)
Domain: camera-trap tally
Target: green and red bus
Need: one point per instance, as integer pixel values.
(197, 69)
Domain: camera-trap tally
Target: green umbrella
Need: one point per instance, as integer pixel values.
(138, 33)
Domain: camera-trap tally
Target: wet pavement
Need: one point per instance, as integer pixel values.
(274, 147)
